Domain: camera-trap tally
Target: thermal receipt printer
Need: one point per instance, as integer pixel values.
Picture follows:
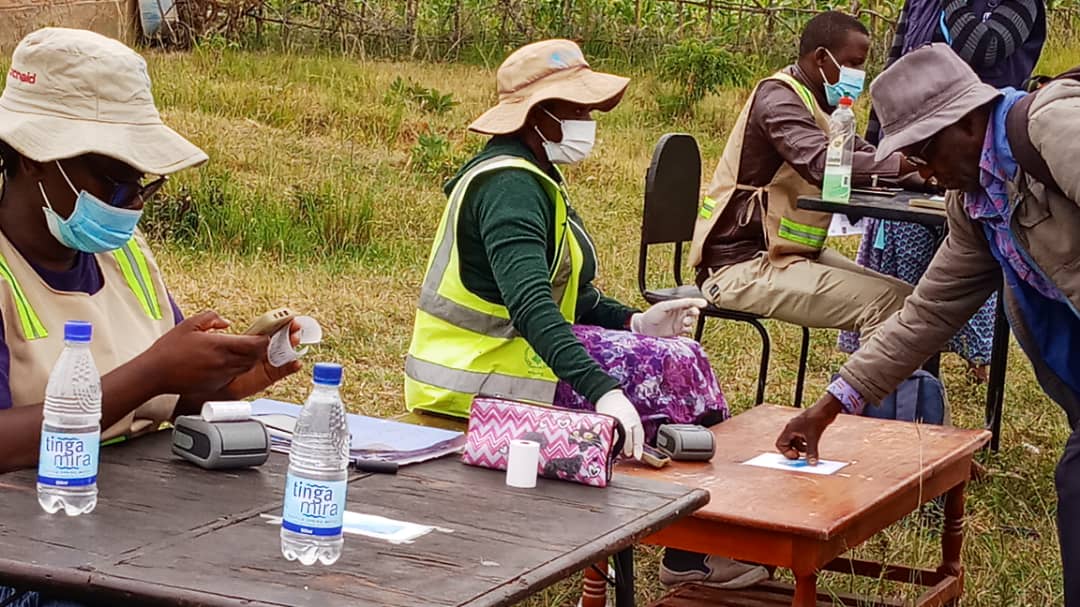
(217, 445)
(686, 442)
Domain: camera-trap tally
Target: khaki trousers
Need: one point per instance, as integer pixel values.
(831, 292)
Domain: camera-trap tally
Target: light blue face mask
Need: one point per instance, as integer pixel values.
(94, 226)
(849, 84)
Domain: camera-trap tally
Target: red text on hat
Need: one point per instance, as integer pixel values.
(28, 78)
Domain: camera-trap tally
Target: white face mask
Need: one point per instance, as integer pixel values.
(578, 139)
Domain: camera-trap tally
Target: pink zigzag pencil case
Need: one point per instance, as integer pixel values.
(575, 446)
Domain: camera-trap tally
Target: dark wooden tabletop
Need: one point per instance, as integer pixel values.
(894, 208)
(887, 458)
(166, 532)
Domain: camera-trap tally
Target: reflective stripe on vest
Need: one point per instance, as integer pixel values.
(708, 205)
(475, 382)
(464, 345)
(801, 233)
(136, 274)
(31, 325)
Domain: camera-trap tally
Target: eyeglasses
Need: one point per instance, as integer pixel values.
(125, 193)
(919, 159)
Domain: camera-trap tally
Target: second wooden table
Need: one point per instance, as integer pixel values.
(804, 522)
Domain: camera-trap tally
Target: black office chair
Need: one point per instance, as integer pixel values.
(672, 190)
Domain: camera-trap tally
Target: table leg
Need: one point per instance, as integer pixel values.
(999, 359)
(952, 538)
(624, 578)
(805, 590)
(594, 591)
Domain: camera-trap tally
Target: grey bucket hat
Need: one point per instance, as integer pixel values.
(925, 91)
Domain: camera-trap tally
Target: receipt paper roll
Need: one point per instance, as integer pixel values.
(522, 464)
(226, 411)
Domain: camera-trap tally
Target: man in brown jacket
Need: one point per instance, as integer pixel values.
(754, 250)
(1007, 159)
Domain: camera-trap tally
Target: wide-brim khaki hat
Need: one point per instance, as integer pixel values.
(73, 92)
(542, 71)
(924, 92)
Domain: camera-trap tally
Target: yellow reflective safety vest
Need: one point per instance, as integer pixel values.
(791, 233)
(464, 345)
(129, 313)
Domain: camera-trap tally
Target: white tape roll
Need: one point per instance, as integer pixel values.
(226, 411)
(522, 463)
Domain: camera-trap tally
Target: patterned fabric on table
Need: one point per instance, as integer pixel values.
(30, 599)
(668, 380)
(904, 250)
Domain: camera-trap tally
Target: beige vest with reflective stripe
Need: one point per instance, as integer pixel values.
(124, 326)
(463, 345)
(790, 233)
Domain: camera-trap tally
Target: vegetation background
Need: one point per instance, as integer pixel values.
(332, 125)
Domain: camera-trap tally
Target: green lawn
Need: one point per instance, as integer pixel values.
(324, 190)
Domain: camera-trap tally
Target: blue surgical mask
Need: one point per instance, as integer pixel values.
(849, 84)
(93, 227)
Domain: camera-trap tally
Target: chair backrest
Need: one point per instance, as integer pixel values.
(672, 192)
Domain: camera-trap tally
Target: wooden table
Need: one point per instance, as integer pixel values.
(897, 208)
(805, 522)
(168, 533)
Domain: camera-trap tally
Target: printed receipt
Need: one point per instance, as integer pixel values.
(281, 351)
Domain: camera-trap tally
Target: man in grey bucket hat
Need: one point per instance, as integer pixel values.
(1006, 157)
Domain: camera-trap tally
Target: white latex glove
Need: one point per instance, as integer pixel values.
(615, 404)
(669, 318)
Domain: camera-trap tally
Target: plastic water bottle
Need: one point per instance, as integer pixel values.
(71, 429)
(837, 184)
(318, 472)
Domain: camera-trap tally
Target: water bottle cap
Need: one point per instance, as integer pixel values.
(846, 101)
(78, 331)
(327, 374)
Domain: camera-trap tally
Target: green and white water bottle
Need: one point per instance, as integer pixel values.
(836, 186)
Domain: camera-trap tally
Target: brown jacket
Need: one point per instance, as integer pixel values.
(964, 272)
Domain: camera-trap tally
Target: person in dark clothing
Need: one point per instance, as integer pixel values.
(1001, 40)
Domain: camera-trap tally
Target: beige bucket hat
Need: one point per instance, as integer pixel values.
(924, 92)
(72, 92)
(550, 69)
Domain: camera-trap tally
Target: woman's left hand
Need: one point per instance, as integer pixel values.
(669, 318)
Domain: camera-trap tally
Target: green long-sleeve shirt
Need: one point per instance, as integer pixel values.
(506, 244)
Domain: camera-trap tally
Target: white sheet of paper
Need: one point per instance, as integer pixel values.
(840, 226)
(777, 461)
(378, 527)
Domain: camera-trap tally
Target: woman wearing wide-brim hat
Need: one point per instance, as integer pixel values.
(83, 148)
(508, 304)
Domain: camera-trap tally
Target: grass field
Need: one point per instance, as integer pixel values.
(324, 190)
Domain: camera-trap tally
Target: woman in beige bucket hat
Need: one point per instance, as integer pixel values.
(508, 304)
(79, 133)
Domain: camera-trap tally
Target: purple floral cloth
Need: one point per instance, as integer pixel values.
(668, 380)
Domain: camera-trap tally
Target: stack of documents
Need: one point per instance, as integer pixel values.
(372, 438)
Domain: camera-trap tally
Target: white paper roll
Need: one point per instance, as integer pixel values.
(281, 352)
(226, 411)
(522, 463)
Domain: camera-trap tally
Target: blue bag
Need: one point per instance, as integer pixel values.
(920, 397)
